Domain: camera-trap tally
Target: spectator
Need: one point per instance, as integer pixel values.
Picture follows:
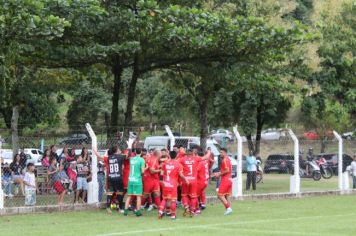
(251, 171)
(101, 179)
(17, 168)
(353, 169)
(53, 172)
(45, 158)
(82, 178)
(30, 185)
(54, 153)
(6, 179)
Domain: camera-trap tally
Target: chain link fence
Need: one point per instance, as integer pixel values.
(276, 161)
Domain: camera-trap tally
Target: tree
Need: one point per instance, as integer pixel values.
(21, 24)
(337, 78)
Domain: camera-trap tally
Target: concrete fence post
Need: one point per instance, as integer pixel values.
(239, 161)
(295, 179)
(340, 157)
(93, 186)
(171, 136)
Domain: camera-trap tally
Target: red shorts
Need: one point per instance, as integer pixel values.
(225, 188)
(151, 186)
(58, 187)
(169, 191)
(201, 187)
(125, 180)
(190, 189)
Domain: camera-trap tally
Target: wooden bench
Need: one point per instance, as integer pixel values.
(43, 181)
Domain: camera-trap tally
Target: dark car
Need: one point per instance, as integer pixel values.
(333, 161)
(281, 163)
(76, 139)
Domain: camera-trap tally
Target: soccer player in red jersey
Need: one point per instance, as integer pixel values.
(172, 170)
(203, 178)
(190, 164)
(151, 183)
(225, 187)
(126, 170)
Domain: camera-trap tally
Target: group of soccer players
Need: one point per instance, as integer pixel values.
(163, 178)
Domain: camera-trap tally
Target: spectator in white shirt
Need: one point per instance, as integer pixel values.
(30, 185)
(353, 169)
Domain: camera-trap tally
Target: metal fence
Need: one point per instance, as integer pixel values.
(274, 172)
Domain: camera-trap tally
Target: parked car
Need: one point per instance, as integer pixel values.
(281, 163)
(311, 135)
(272, 134)
(76, 139)
(349, 135)
(333, 161)
(222, 135)
(35, 155)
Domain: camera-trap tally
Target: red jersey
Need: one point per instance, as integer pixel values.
(203, 171)
(226, 165)
(171, 170)
(190, 166)
(152, 163)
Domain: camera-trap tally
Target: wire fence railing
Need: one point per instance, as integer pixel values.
(57, 180)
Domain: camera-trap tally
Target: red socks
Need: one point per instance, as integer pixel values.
(157, 201)
(227, 205)
(173, 207)
(185, 200)
(162, 206)
(193, 204)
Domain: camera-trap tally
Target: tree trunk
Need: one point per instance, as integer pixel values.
(14, 129)
(117, 71)
(251, 146)
(259, 123)
(203, 116)
(131, 99)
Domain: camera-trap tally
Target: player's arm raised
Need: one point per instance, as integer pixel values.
(100, 158)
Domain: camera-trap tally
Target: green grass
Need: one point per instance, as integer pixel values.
(333, 215)
(272, 183)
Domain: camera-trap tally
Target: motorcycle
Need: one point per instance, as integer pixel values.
(259, 172)
(313, 170)
(325, 169)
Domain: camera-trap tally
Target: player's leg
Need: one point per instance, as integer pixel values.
(157, 194)
(138, 209)
(127, 204)
(193, 188)
(224, 191)
(185, 198)
(173, 209)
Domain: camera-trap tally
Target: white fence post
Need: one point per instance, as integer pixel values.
(295, 179)
(171, 136)
(340, 152)
(1, 190)
(93, 186)
(239, 162)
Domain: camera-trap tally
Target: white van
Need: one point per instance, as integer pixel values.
(159, 142)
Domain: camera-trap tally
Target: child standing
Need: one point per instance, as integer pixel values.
(30, 185)
(83, 174)
(54, 172)
(6, 179)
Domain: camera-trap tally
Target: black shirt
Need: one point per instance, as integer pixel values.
(115, 163)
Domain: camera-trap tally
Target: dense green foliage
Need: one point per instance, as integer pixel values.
(197, 63)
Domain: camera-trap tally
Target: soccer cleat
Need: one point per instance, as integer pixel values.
(150, 208)
(173, 217)
(202, 207)
(126, 212)
(122, 211)
(160, 215)
(228, 211)
(138, 213)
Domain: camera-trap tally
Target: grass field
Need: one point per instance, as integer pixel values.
(333, 215)
(273, 183)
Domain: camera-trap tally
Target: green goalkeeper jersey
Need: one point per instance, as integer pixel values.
(136, 165)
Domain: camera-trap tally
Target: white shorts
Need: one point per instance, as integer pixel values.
(82, 183)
